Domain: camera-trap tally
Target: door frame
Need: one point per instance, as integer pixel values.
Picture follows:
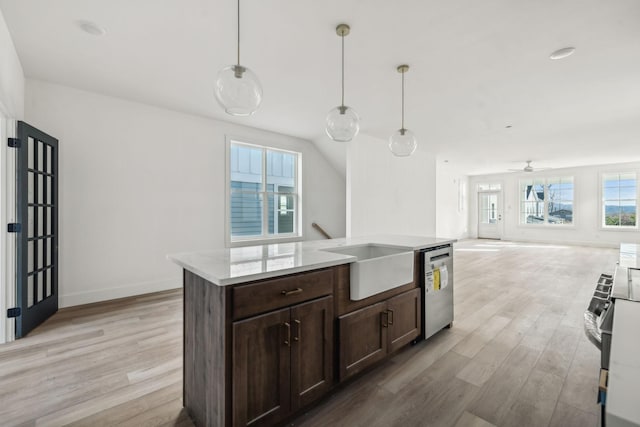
(7, 215)
(500, 225)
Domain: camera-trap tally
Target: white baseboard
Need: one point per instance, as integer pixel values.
(88, 297)
(597, 244)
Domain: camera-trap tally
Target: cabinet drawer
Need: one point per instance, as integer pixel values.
(281, 292)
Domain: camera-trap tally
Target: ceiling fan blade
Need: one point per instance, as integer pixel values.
(528, 168)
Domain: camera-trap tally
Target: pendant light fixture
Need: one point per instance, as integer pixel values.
(237, 88)
(342, 123)
(403, 142)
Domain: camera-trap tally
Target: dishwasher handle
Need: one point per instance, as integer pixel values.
(435, 258)
(437, 248)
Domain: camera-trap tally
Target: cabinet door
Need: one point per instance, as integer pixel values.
(261, 369)
(311, 351)
(404, 318)
(363, 338)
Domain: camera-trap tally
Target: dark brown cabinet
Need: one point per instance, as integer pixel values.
(371, 333)
(257, 353)
(261, 369)
(282, 361)
(363, 339)
(311, 351)
(404, 321)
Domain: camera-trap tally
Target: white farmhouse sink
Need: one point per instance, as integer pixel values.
(378, 268)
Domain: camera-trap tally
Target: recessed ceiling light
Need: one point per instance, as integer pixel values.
(91, 28)
(562, 53)
(508, 127)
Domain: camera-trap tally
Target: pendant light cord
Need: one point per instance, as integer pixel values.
(238, 32)
(402, 100)
(342, 37)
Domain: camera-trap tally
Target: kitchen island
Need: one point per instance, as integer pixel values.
(270, 329)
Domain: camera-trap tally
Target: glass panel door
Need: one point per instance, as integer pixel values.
(37, 243)
(489, 215)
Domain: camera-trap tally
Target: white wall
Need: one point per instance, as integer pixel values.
(11, 107)
(11, 75)
(587, 210)
(387, 194)
(452, 207)
(7, 241)
(139, 182)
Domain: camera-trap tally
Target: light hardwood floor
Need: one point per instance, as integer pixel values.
(516, 355)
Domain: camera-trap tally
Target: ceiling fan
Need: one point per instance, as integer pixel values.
(528, 168)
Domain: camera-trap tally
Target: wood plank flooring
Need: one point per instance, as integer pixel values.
(114, 363)
(516, 355)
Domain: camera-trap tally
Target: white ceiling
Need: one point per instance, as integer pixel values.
(476, 67)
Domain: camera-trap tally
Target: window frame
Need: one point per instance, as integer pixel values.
(265, 237)
(545, 185)
(601, 214)
(487, 186)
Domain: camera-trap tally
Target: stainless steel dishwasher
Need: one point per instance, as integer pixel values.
(437, 276)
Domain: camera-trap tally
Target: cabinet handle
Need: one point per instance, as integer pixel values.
(298, 333)
(390, 318)
(287, 342)
(384, 319)
(291, 292)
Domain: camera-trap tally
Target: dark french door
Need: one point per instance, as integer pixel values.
(37, 242)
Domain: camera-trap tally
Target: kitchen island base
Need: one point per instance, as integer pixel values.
(259, 353)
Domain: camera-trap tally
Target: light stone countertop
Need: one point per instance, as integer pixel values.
(244, 264)
(630, 255)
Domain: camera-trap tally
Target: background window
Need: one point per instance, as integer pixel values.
(281, 189)
(547, 201)
(263, 192)
(560, 200)
(489, 187)
(619, 200)
(532, 202)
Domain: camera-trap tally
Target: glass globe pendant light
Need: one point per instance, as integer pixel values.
(403, 142)
(342, 123)
(237, 88)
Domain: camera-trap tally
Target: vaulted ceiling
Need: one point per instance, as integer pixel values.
(477, 67)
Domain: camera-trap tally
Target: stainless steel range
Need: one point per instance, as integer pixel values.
(611, 322)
